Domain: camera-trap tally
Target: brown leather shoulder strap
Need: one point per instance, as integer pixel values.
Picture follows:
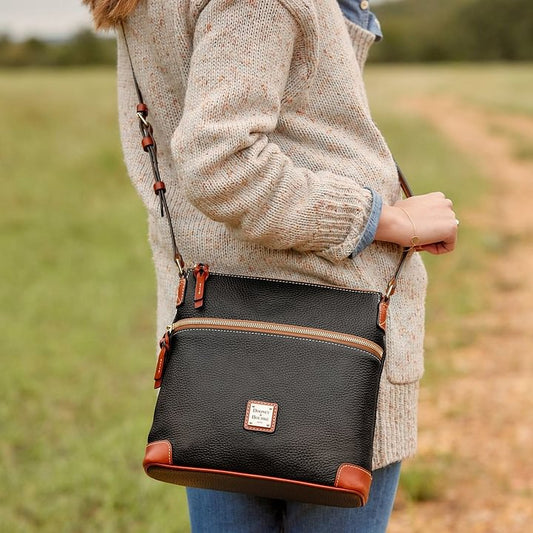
(149, 146)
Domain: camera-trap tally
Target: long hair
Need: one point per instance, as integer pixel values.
(109, 13)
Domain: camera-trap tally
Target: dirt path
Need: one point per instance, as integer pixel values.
(483, 417)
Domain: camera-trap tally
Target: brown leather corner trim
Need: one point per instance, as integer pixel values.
(158, 452)
(355, 478)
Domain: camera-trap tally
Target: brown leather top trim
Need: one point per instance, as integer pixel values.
(158, 452)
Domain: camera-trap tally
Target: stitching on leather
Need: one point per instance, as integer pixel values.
(348, 465)
(257, 428)
(281, 335)
(169, 447)
(292, 282)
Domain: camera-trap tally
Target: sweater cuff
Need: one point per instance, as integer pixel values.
(369, 233)
(345, 213)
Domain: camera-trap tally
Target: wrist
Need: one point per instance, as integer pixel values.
(394, 226)
(415, 239)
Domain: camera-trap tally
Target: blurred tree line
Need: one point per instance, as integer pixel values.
(455, 30)
(83, 48)
(415, 30)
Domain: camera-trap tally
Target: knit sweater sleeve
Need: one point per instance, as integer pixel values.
(240, 72)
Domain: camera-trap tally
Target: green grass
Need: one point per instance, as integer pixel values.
(77, 316)
(77, 298)
(457, 281)
(424, 478)
(431, 162)
(498, 86)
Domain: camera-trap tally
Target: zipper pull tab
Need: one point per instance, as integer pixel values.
(180, 292)
(164, 344)
(201, 273)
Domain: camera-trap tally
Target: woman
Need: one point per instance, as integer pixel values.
(276, 169)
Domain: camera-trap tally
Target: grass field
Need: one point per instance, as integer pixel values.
(77, 296)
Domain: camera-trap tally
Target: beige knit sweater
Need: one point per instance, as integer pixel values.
(266, 144)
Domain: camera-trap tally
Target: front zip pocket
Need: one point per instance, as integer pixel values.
(233, 390)
(287, 330)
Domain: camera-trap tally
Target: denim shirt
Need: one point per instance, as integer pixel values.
(359, 13)
(371, 227)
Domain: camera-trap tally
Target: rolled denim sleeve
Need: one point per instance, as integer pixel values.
(371, 227)
(360, 14)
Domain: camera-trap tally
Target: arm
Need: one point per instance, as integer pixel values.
(234, 174)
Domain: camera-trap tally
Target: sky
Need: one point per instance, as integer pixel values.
(42, 18)
(48, 19)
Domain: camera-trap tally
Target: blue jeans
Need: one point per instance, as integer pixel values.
(227, 512)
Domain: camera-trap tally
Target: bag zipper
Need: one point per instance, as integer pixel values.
(289, 330)
(200, 272)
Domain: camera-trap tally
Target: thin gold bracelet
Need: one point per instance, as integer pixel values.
(415, 239)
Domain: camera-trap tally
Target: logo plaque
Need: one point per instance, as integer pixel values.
(261, 416)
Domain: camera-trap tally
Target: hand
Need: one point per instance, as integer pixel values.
(430, 217)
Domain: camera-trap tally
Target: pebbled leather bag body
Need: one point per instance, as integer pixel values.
(265, 389)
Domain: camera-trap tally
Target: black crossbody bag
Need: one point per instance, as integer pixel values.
(267, 387)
